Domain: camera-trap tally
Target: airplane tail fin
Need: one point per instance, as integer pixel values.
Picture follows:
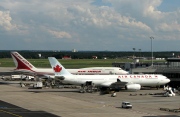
(20, 62)
(58, 69)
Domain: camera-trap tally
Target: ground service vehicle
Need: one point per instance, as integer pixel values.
(126, 105)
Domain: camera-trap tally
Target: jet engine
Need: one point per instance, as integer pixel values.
(133, 87)
(60, 77)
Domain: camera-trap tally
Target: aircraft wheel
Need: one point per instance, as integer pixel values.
(82, 91)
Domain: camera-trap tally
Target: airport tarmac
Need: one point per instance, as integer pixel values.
(19, 101)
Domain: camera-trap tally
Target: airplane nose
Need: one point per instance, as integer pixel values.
(125, 72)
(168, 80)
(165, 80)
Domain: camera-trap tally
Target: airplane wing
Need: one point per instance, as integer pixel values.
(126, 85)
(119, 83)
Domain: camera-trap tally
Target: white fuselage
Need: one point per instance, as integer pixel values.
(107, 80)
(82, 71)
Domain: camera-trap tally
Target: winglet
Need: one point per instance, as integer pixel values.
(58, 69)
(20, 62)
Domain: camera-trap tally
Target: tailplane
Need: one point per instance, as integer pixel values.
(58, 69)
(20, 62)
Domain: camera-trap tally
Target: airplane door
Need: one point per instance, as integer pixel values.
(103, 71)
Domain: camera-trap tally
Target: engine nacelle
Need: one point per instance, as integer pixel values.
(60, 77)
(133, 87)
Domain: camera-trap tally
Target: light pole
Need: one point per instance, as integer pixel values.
(151, 50)
(139, 53)
(134, 52)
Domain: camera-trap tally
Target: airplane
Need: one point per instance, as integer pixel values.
(24, 66)
(105, 82)
(100, 71)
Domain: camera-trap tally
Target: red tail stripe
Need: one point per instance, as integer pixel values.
(21, 65)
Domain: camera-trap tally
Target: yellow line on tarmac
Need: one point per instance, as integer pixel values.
(10, 113)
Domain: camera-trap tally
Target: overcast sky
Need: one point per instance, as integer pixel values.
(98, 25)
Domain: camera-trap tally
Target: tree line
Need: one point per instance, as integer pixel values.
(88, 54)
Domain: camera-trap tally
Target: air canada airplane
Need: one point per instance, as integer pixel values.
(129, 81)
(25, 67)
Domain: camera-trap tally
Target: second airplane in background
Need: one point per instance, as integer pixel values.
(25, 67)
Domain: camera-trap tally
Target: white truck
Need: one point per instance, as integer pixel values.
(25, 77)
(15, 77)
(126, 105)
(168, 92)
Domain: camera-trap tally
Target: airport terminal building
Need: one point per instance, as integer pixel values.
(170, 69)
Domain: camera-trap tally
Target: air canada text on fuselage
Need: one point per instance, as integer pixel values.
(138, 76)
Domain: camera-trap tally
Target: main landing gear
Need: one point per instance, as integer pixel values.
(89, 87)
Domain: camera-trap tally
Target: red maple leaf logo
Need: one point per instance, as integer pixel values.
(57, 68)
